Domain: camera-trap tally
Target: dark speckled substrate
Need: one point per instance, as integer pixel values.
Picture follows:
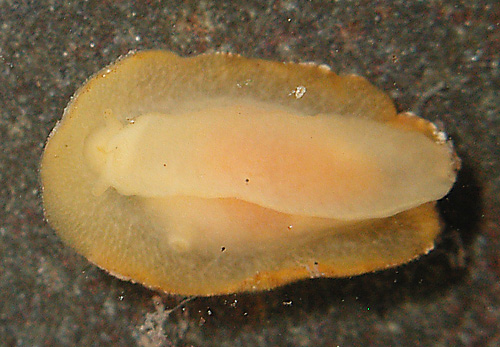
(440, 59)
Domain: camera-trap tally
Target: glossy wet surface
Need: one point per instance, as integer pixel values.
(443, 65)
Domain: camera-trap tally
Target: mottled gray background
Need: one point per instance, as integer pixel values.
(438, 58)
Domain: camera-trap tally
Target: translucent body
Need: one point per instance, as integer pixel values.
(174, 173)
